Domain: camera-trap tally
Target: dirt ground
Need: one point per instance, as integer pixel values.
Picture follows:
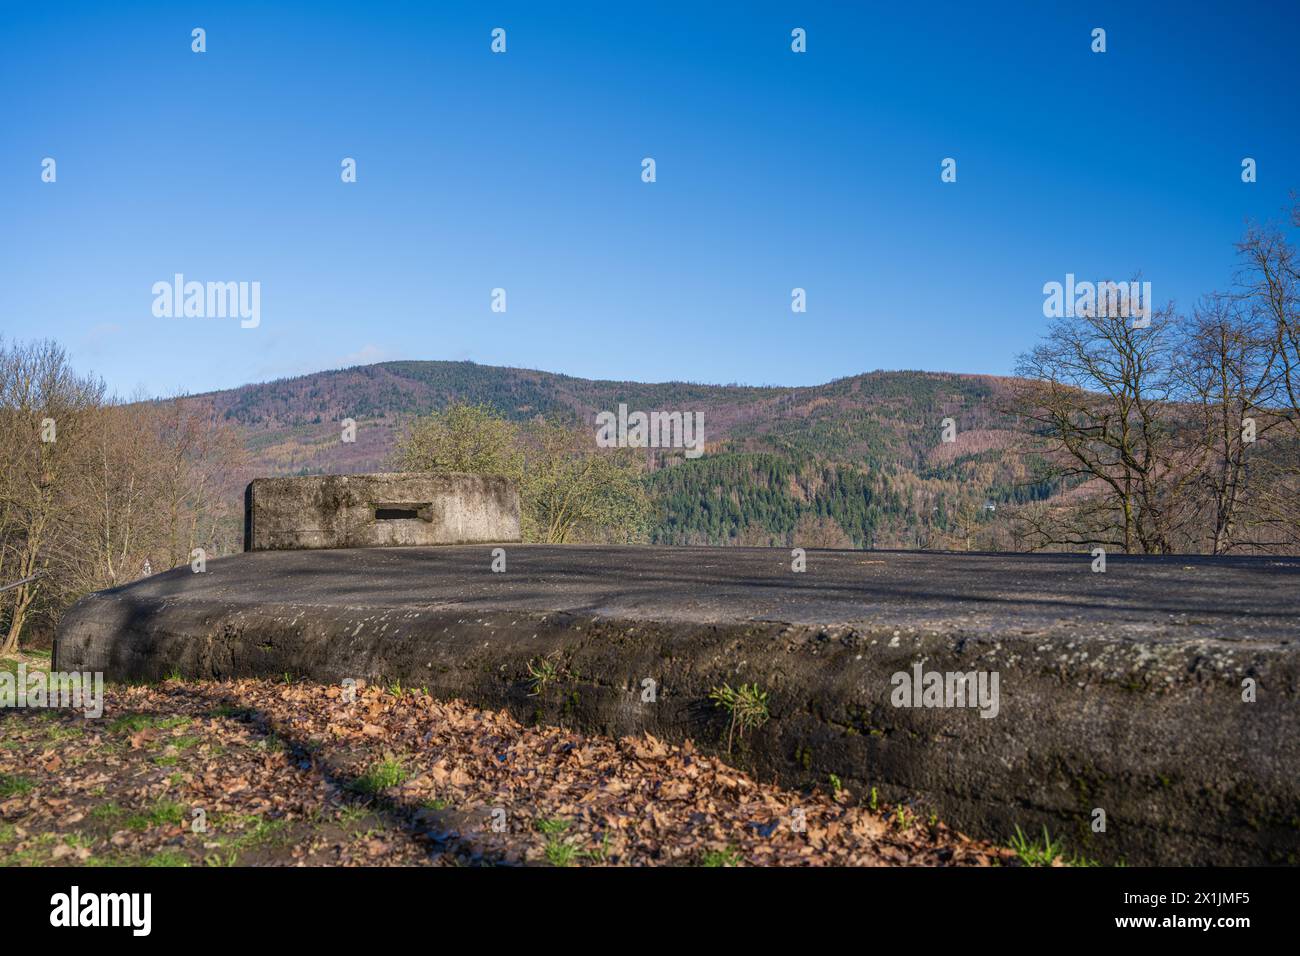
(288, 773)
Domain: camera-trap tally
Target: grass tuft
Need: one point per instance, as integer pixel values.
(381, 776)
(1045, 852)
(12, 785)
(728, 857)
(746, 704)
(541, 671)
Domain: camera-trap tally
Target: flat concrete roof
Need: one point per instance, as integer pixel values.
(1254, 599)
(1124, 690)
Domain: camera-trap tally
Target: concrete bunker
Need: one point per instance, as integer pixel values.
(378, 510)
(1121, 692)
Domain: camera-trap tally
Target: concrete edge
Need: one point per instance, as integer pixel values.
(1156, 735)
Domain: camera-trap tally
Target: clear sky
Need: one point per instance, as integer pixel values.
(523, 171)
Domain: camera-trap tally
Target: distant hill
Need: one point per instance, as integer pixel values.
(858, 460)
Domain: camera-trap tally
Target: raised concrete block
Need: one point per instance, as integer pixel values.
(375, 511)
(1123, 691)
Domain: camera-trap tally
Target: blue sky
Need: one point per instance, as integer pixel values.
(523, 171)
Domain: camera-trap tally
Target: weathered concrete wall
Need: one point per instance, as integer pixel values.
(1121, 691)
(379, 510)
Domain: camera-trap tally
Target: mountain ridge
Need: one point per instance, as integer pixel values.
(861, 454)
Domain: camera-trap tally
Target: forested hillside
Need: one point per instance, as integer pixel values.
(852, 463)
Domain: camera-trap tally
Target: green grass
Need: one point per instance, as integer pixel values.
(1045, 852)
(728, 857)
(239, 713)
(107, 812)
(134, 723)
(746, 704)
(599, 854)
(272, 744)
(36, 854)
(351, 813)
(235, 834)
(12, 785)
(167, 857)
(380, 776)
(61, 732)
(259, 831)
(541, 671)
(163, 813)
(560, 853)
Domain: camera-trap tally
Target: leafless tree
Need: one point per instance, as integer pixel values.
(45, 415)
(1268, 292)
(1096, 396)
(91, 489)
(1227, 366)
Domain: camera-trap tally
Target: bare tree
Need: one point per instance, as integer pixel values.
(198, 455)
(1227, 367)
(1268, 290)
(1096, 397)
(90, 489)
(1181, 434)
(819, 531)
(47, 410)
